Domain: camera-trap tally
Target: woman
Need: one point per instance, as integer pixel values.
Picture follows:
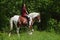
(24, 12)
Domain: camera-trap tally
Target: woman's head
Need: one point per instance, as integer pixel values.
(23, 4)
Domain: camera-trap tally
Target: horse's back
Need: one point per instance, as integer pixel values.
(15, 18)
(23, 19)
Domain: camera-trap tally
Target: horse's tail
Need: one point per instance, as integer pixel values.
(11, 24)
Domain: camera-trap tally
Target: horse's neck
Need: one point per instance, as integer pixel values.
(33, 15)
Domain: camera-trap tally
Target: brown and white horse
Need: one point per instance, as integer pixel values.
(19, 20)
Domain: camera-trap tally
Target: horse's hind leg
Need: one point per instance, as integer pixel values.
(17, 31)
(10, 31)
(17, 28)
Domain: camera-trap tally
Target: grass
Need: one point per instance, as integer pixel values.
(35, 36)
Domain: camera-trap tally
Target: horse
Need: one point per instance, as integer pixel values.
(18, 20)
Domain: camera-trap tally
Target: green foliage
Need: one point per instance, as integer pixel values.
(53, 26)
(47, 8)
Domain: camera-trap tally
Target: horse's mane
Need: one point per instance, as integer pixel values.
(34, 14)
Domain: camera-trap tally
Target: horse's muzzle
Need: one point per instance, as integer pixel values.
(39, 20)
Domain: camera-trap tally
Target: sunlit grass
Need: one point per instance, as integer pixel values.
(37, 35)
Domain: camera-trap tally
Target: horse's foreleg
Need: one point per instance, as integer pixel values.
(30, 27)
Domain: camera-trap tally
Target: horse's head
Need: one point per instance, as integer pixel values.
(35, 15)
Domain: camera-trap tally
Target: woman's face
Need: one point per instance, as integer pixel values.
(24, 4)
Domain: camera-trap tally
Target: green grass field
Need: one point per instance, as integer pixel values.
(37, 35)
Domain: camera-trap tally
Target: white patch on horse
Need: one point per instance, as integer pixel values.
(15, 18)
(33, 15)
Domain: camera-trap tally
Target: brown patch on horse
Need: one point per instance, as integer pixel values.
(22, 20)
(18, 24)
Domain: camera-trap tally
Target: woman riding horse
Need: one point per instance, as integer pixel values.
(24, 12)
(15, 19)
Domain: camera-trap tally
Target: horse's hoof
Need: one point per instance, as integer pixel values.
(30, 33)
(9, 34)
